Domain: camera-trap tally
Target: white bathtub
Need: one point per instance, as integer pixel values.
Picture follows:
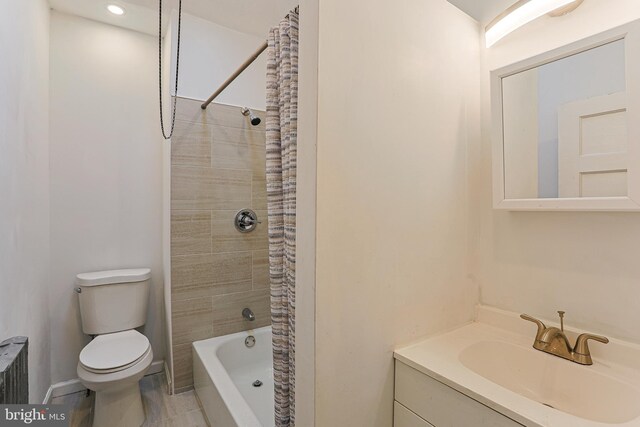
(224, 370)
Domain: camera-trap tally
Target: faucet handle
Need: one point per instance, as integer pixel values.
(561, 314)
(541, 326)
(581, 351)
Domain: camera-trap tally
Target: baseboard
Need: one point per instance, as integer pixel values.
(156, 368)
(47, 397)
(183, 389)
(74, 386)
(63, 388)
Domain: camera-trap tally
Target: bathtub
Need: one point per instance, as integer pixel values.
(224, 370)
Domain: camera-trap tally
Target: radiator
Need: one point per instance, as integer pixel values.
(14, 375)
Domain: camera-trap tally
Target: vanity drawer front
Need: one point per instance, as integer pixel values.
(402, 417)
(441, 405)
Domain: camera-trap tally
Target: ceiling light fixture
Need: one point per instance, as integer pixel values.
(115, 9)
(521, 13)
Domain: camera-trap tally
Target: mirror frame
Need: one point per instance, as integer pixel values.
(631, 34)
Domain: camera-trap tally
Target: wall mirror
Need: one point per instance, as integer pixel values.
(566, 127)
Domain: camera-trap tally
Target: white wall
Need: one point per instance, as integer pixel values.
(24, 182)
(306, 214)
(398, 105)
(106, 171)
(535, 262)
(168, 76)
(210, 53)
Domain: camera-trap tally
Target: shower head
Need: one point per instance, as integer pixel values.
(255, 120)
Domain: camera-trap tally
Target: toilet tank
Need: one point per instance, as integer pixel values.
(112, 301)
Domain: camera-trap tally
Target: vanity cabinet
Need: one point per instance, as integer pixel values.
(421, 401)
(402, 417)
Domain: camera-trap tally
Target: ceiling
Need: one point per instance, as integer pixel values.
(482, 11)
(247, 16)
(137, 17)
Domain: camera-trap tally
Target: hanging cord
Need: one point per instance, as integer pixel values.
(173, 113)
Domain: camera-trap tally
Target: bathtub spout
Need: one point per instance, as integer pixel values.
(248, 314)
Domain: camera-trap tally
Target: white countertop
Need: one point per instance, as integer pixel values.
(439, 358)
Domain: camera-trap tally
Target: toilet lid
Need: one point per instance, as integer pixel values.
(110, 351)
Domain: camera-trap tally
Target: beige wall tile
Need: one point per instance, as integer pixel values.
(228, 155)
(218, 167)
(248, 136)
(190, 232)
(259, 194)
(260, 269)
(258, 162)
(191, 320)
(182, 366)
(213, 274)
(227, 311)
(225, 237)
(189, 110)
(191, 144)
(200, 188)
(209, 289)
(216, 114)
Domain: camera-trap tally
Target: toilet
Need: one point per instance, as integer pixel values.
(112, 304)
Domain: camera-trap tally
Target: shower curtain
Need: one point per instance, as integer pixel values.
(281, 127)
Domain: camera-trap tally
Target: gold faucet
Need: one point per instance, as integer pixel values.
(554, 341)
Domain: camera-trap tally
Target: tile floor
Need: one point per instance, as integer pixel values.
(180, 410)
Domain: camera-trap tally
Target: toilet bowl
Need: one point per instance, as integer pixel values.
(112, 365)
(112, 304)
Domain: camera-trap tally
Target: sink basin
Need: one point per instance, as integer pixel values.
(492, 361)
(554, 382)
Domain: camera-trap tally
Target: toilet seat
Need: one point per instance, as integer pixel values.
(118, 400)
(114, 352)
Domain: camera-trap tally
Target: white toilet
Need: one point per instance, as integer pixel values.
(112, 304)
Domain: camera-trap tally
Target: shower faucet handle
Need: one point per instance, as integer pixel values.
(246, 220)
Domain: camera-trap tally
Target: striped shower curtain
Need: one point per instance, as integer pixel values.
(282, 136)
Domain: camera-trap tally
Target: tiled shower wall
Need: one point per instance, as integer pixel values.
(217, 168)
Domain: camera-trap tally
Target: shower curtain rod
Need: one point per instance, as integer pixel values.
(239, 71)
(235, 75)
